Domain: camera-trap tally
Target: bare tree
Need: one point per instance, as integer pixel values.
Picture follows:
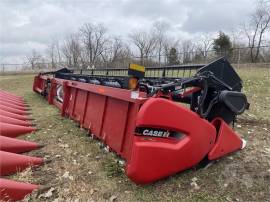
(236, 35)
(94, 40)
(72, 50)
(34, 59)
(186, 50)
(257, 27)
(168, 44)
(205, 44)
(145, 42)
(116, 52)
(160, 34)
(119, 49)
(58, 51)
(52, 53)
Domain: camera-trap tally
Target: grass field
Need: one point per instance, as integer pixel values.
(79, 170)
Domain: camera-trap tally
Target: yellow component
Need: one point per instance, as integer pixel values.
(137, 67)
(132, 83)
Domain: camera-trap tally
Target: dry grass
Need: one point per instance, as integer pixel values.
(82, 171)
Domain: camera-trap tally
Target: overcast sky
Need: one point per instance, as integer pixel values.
(31, 24)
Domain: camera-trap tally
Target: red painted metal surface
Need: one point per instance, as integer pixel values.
(10, 100)
(13, 110)
(13, 191)
(15, 116)
(149, 154)
(107, 112)
(16, 146)
(11, 163)
(113, 114)
(8, 104)
(6, 95)
(10, 130)
(11, 94)
(2, 100)
(227, 140)
(39, 84)
(6, 119)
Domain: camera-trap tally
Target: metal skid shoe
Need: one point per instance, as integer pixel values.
(170, 138)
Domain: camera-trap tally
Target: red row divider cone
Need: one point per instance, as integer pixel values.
(17, 146)
(11, 94)
(13, 110)
(7, 94)
(11, 163)
(11, 130)
(23, 104)
(13, 191)
(15, 116)
(14, 122)
(15, 106)
(6, 97)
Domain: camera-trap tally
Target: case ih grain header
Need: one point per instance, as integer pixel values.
(137, 112)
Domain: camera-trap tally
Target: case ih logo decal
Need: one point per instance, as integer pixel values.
(156, 133)
(152, 132)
